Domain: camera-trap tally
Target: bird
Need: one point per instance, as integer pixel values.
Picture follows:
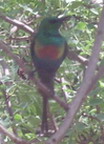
(48, 50)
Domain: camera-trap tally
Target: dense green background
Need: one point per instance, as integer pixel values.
(26, 101)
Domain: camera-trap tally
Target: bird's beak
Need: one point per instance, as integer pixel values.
(64, 18)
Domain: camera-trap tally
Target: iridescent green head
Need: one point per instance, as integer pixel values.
(51, 23)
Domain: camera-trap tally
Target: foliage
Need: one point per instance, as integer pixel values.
(24, 97)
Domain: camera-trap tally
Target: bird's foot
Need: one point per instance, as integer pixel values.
(45, 133)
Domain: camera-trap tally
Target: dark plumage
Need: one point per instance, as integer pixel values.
(48, 50)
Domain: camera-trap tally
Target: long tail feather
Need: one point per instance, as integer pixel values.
(44, 125)
(47, 80)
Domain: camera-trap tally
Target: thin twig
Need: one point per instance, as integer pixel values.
(9, 109)
(23, 38)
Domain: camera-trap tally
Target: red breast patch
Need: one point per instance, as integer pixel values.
(50, 52)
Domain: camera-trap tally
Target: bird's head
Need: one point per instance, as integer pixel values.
(52, 23)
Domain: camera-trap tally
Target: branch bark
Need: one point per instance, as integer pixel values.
(73, 56)
(12, 136)
(16, 139)
(15, 22)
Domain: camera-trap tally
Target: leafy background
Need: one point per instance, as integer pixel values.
(25, 100)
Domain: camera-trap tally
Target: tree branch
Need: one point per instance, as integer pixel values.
(16, 139)
(12, 136)
(73, 56)
(99, 74)
(15, 22)
(21, 63)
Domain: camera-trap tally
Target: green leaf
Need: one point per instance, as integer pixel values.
(94, 11)
(80, 126)
(18, 117)
(100, 116)
(101, 84)
(81, 25)
(96, 101)
(92, 111)
(34, 120)
(26, 8)
(76, 4)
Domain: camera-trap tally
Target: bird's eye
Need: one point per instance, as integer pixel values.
(53, 21)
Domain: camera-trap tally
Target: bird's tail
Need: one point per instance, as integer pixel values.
(48, 80)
